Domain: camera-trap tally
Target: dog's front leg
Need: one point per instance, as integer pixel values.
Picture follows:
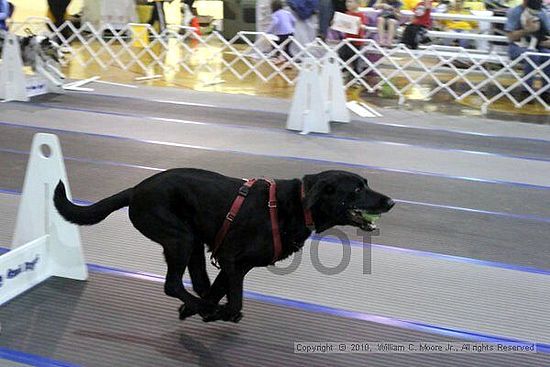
(232, 277)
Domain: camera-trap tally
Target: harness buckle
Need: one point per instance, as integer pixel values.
(272, 204)
(244, 190)
(230, 217)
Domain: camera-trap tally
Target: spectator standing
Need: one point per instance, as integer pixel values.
(6, 11)
(516, 31)
(346, 52)
(326, 12)
(58, 10)
(282, 25)
(305, 30)
(387, 20)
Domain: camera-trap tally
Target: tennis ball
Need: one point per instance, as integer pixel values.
(370, 217)
(386, 91)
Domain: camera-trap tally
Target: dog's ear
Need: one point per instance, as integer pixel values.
(315, 190)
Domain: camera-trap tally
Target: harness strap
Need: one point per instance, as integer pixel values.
(273, 214)
(272, 204)
(307, 213)
(236, 206)
(230, 217)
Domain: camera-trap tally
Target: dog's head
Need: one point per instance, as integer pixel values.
(343, 198)
(49, 48)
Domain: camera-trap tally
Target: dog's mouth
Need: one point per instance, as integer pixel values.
(364, 219)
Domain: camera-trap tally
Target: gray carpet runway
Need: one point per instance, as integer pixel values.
(257, 119)
(436, 229)
(119, 321)
(113, 321)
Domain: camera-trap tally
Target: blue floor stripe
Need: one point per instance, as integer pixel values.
(460, 132)
(299, 159)
(282, 131)
(355, 243)
(31, 359)
(315, 308)
(528, 217)
(433, 255)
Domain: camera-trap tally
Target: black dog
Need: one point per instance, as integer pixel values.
(183, 209)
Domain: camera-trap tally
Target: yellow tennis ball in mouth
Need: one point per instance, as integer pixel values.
(370, 217)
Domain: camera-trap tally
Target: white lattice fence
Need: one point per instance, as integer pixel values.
(437, 70)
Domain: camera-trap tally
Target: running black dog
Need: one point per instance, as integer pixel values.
(184, 209)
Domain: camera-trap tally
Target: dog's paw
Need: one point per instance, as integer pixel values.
(223, 313)
(185, 312)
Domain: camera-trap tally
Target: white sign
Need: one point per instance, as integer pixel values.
(346, 23)
(23, 268)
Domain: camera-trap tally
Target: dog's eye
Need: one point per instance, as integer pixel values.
(357, 190)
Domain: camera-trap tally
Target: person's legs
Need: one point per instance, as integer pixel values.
(545, 60)
(154, 15)
(345, 53)
(58, 9)
(326, 13)
(464, 43)
(514, 51)
(392, 25)
(381, 26)
(279, 56)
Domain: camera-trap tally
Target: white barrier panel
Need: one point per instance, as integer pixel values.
(23, 268)
(307, 111)
(13, 86)
(44, 244)
(332, 84)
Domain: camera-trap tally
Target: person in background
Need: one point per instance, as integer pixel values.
(195, 22)
(387, 20)
(58, 9)
(459, 26)
(415, 32)
(326, 12)
(409, 4)
(6, 11)
(516, 31)
(423, 14)
(305, 30)
(282, 25)
(346, 52)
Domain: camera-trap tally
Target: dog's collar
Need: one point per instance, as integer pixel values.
(307, 213)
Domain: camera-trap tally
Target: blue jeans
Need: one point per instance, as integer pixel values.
(514, 51)
(464, 43)
(326, 13)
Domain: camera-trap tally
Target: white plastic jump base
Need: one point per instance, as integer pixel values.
(12, 77)
(308, 108)
(332, 84)
(14, 84)
(319, 98)
(44, 244)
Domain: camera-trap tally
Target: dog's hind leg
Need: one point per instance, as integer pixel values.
(177, 255)
(197, 271)
(177, 240)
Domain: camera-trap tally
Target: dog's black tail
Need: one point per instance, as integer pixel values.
(92, 214)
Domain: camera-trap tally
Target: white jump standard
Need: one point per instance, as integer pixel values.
(14, 84)
(44, 244)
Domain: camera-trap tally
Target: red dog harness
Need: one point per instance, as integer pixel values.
(272, 205)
